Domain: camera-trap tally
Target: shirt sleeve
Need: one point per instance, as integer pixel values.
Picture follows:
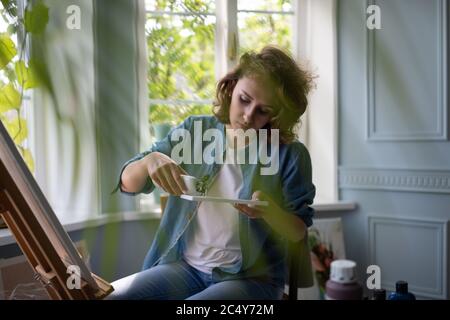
(298, 189)
(163, 146)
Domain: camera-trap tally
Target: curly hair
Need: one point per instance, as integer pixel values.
(277, 69)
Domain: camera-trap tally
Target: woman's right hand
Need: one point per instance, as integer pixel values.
(165, 173)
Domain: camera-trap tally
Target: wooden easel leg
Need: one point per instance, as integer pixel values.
(44, 259)
(26, 241)
(24, 246)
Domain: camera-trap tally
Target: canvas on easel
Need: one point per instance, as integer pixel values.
(46, 245)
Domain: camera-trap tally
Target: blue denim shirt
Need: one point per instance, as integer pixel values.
(263, 249)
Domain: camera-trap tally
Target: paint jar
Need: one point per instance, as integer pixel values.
(343, 284)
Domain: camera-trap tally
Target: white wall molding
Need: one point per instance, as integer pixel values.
(413, 240)
(440, 131)
(415, 180)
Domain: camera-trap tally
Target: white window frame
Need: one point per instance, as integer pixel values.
(226, 39)
(227, 33)
(316, 44)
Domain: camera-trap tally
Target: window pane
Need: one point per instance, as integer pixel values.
(181, 59)
(267, 5)
(257, 30)
(180, 5)
(175, 113)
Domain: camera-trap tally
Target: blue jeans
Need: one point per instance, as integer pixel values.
(178, 280)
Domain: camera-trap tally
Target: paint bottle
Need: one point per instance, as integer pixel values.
(401, 292)
(343, 284)
(379, 294)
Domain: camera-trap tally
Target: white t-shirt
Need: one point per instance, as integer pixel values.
(213, 236)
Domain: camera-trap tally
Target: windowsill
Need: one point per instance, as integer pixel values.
(6, 236)
(154, 214)
(334, 206)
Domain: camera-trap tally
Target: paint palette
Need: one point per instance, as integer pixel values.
(227, 200)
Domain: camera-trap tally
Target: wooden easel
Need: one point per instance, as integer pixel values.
(38, 232)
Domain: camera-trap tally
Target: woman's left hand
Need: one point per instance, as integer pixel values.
(255, 211)
(285, 223)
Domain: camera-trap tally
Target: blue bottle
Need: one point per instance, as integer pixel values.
(401, 292)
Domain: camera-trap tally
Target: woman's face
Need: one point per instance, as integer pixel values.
(250, 105)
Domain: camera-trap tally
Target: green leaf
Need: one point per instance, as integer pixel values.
(17, 129)
(202, 184)
(40, 72)
(10, 7)
(36, 19)
(7, 50)
(12, 29)
(9, 98)
(28, 158)
(25, 76)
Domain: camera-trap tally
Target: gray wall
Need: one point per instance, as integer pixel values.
(118, 249)
(394, 154)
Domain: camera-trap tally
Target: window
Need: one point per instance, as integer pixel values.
(185, 57)
(180, 44)
(264, 22)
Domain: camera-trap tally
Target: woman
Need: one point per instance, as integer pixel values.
(212, 250)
